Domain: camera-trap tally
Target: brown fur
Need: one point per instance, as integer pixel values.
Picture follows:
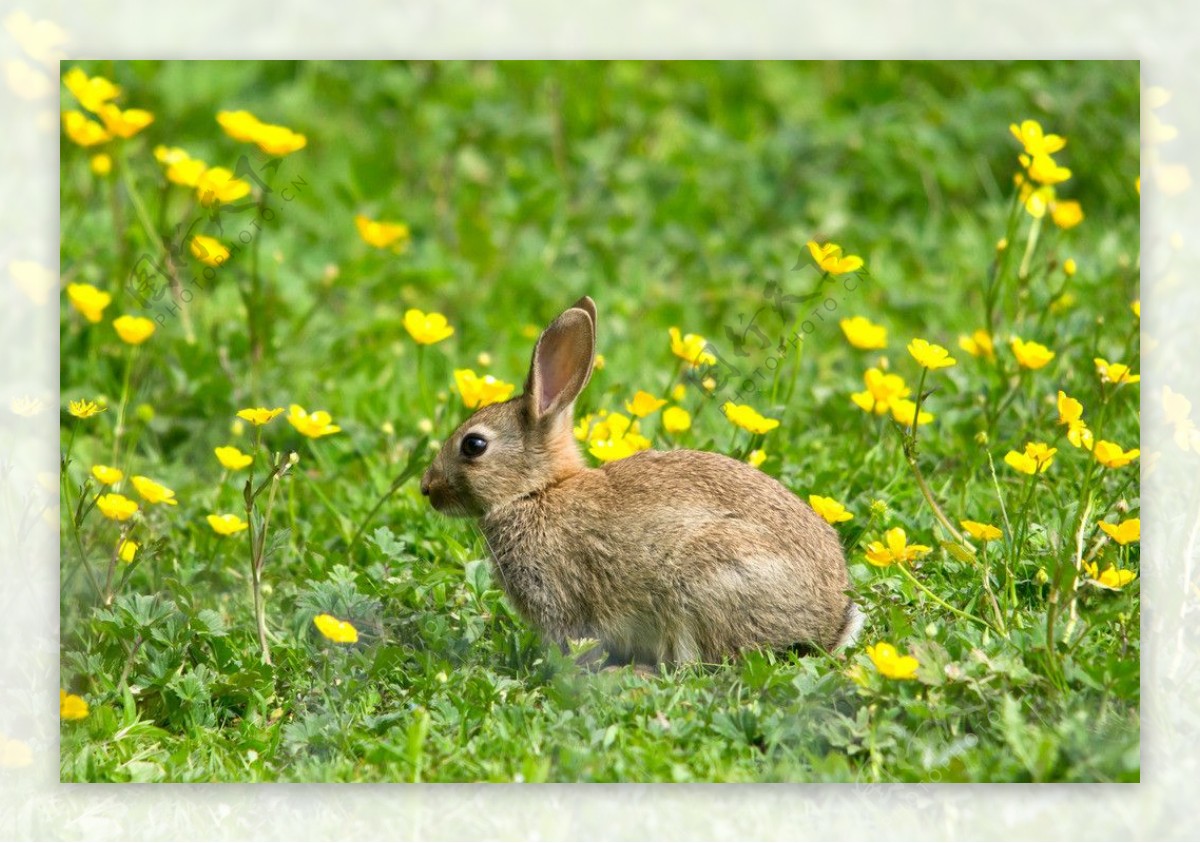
(665, 556)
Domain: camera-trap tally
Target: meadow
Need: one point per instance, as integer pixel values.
(284, 282)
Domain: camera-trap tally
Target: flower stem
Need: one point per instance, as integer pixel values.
(256, 303)
(987, 589)
(249, 497)
(1030, 246)
(910, 456)
(411, 468)
(155, 237)
(119, 428)
(928, 593)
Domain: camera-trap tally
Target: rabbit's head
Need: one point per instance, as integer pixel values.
(521, 446)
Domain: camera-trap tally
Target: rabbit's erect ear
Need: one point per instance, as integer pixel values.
(562, 359)
(589, 307)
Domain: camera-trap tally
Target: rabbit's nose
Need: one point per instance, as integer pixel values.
(425, 484)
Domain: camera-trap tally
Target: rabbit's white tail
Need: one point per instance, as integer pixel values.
(854, 624)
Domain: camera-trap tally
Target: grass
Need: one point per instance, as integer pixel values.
(675, 194)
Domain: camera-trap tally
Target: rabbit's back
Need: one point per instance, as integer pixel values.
(672, 556)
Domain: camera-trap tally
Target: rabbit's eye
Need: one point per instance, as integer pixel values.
(473, 445)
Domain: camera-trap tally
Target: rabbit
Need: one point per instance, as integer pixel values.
(666, 557)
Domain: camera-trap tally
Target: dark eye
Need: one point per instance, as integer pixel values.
(473, 445)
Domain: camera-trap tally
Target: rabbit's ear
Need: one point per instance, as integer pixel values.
(562, 360)
(589, 307)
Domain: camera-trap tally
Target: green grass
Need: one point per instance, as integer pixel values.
(673, 194)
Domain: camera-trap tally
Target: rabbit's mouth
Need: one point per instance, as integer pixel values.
(446, 503)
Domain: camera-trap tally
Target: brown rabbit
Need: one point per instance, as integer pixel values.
(664, 556)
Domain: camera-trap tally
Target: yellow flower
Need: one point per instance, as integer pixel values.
(93, 92)
(383, 235)
(153, 492)
(134, 330)
(1128, 531)
(643, 404)
(608, 450)
(1063, 303)
(71, 706)
(1036, 201)
(426, 328)
(1117, 373)
(615, 437)
(101, 164)
(189, 173)
(1070, 267)
(583, 428)
(125, 124)
(239, 125)
(863, 333)
(1136, 307)
(82, 130)
(881, 391)
(980, 531)
(829, 258)
(690, 349)
(1066, 214)
(1036, 458)
(1044, 170)
(1029, 133)
(232, 458)
(217, 184)
(1070, 413)
(478, 391)
(271, 139)
(929, 355)
(127, 550)
(279, 140)
(85, 409)
(747, 418)
(227, 524)
(979, 344)
(611, 426)
(709, 384)
(829, 509)
(313, 426)
(208, 250)
(903, 409)
(117, 507)
(678, 392)
(897, 549)
(890, 663)
(259, 415)
(1111, 455)
(756, 457)
(1031, 355)
(88, 300)
(340, 632)
(168, 155)
(676, 420)
(181, 168)
(1116, 579)
(1069, 409)
(598, 363)
(107, 475)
